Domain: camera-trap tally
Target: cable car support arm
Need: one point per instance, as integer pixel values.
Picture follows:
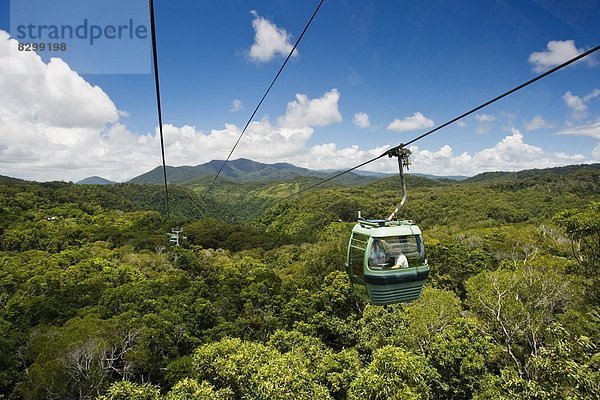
(403, 155)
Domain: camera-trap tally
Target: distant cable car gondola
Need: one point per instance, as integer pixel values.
(386, 258)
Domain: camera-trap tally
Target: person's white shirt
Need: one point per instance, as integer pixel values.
(401, 262)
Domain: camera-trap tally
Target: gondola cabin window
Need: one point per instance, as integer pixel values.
(385, 252)
(356, 254)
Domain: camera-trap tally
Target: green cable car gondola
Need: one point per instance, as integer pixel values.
(386, 258)
(386, 261)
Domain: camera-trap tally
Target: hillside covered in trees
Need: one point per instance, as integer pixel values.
(255, 304)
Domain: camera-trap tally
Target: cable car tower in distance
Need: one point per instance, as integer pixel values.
(174, 236)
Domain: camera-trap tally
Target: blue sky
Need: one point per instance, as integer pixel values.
(368, 75)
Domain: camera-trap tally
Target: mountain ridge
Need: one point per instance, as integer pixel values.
(248, 170)
(95, 180)
(244, 169)
(241, 169)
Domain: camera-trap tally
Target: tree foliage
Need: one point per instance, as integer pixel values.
(95, 303)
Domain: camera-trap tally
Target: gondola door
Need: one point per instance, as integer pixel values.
(357, 252)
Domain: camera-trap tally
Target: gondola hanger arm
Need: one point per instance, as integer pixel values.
(403, 155)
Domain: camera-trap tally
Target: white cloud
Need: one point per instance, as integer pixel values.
(461, 124)
(414, 122)
(485, 118)
(314, 112)
(425, 157)
(40, 93)
(592, 130)
(578, 105)
(484, 125)
(592, 95)
(361, 120)
(262, 141)
(55, 125)
(328, 156)
(556, 53)
(40, 141)
(570, 157)
(50, 117)
(37, 144)
(236, 105)
(537, 122)
(269, 40)
(510, 154)
(510, 149)
(575, 103)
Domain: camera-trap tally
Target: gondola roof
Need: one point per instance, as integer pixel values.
(383, 228)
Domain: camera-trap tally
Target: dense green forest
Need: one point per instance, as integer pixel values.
(96, 304)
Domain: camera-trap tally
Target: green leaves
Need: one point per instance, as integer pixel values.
(256, 371)
(394, 373)
(412, 326)
(462, 357)
(583, 230)
(125, 390)
(190, 389)
(94, 303)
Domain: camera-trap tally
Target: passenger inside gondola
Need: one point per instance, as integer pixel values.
(396, 252)
(401, 261)
(378, 257)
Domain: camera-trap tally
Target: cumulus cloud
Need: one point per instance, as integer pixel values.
(361, 120)
(512, 153)
(51, 94)
(329, 156)
(575, 103)
(537, 122)
(510, 149)
(236, 105)
(269, 40)
(39, 140)
(414, 122)
(312, 112)
(263, 141)
(46, 111)
(268, 142)
(556, 53)
(578, 105)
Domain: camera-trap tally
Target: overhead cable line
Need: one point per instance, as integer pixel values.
(263, 97)
(394, 150)
(156, 81)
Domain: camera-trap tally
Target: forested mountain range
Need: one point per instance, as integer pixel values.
(243, 201)
(95, 180)
(96, 304)
(239, 170)
(568, 174)
(247, 170)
